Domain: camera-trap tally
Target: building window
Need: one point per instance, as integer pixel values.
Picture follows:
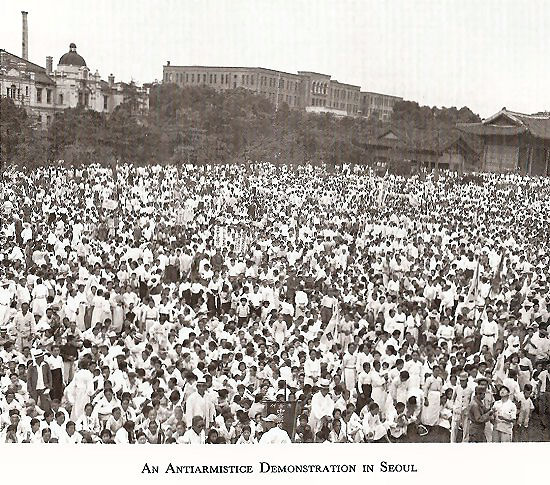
(86, 99)
(204, 78)
(26, 91)
(210, 78)
(60, 99)
(252, 80)
(48, 119)
(215, 78)
(105, 98)
(38, 95)
(192, 78)
(49, 95)
(186, 77)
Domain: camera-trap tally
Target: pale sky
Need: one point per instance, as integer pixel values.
(484, 54)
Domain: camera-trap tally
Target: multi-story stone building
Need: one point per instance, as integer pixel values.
(45, 91)
(376, 105)
(305, 90)
(277, 86)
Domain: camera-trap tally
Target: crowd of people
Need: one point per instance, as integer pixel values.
(192, 304)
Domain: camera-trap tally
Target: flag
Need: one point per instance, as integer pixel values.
(473, 293)
(287, 412)
(497, 279)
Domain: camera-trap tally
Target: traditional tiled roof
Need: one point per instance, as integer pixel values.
(422, 140)
(509, 123)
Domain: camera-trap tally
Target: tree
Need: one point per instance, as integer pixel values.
(14, 126)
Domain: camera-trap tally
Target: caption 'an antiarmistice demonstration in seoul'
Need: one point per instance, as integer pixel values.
(196, 303)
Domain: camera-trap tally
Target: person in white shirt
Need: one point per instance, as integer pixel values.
(195, 435)
(489, 333)
(274, 434)
(199, 404)
(505, 412)
(322, 406)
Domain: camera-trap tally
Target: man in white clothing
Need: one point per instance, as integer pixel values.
(322, 406)
(275, 435)
(199, 404)
(195, 434)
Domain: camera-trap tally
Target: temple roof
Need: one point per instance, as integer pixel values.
(510, 123)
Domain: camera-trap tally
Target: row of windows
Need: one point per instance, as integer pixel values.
(322, 88)
(14, 92)
(224, 79)
(265, 81)
(197, 78)
(319, 87)
(378, 101)
(281, 84)
(289, 99)
(350, 108)
(39, 95)
(343, 94)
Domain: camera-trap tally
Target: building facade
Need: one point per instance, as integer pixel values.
(43, 91)
(513, 142)
(378, 106)
(306, 90)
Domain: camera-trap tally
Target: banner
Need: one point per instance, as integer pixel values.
(287, 412)
(224, 236)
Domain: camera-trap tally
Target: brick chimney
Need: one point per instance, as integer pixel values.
(25, 36)
(49, 64)
(111, 79)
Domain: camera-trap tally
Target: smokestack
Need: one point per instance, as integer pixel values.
(25, 38)
(111, 79)
(49, 64)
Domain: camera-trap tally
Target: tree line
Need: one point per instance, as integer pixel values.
(200, 125)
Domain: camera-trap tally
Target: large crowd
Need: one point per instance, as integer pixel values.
(198, 304)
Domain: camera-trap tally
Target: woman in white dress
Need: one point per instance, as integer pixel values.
(80, 390)
(432, 398)
(98, 303)
(39, 298)
(117, 306)
(378, 383)
(280, 330)
(349, 363)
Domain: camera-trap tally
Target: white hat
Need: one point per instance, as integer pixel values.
(272, 418)
(37, 353)
(324, 382)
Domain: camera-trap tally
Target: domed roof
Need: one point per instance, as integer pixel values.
(71, 58)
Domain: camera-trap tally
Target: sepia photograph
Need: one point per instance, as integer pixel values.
(294, 222)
